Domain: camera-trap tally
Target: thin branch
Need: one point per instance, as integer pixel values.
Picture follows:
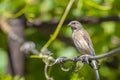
(107, 54)
(78, 58)
(59, 25)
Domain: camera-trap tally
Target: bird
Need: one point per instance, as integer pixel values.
(83, 43)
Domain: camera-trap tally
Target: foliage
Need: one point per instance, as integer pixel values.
(105, 36)
(8, 77)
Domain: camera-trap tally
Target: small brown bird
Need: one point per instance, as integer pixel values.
(83, 43)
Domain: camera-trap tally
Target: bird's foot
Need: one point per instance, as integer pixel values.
(85, 58)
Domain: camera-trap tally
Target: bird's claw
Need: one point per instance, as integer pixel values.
(85, 58)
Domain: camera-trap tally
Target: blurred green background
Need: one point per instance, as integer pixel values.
(105, 36)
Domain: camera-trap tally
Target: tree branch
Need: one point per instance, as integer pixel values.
(86, 20)
(15, 40)
(107, 54)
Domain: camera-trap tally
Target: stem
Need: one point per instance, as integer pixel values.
(22, 11)
(53, 37)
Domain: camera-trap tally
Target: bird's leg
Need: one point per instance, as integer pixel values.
(85, 58)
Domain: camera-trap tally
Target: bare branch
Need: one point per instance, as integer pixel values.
(15, 39)
(86, 20)
(107, 54)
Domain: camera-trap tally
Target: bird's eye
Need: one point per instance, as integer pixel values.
(73, 23)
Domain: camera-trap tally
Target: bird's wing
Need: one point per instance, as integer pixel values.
(89, 42)
(81, 43)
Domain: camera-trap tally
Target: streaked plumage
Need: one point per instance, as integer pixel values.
(83, 42)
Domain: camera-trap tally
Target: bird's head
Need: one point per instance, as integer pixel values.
(75, 25)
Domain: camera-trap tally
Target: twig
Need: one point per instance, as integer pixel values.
(107, 54)
(53, 37)
(78, 58)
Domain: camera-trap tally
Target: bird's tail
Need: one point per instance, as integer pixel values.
(94, 66)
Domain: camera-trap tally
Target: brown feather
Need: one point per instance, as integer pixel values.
(83, 42)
